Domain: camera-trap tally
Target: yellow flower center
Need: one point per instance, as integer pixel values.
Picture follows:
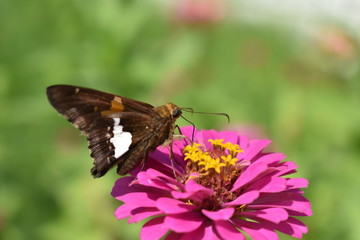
(216, 168)
(220, 160)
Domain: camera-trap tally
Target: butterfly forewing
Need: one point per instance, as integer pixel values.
(120, 131)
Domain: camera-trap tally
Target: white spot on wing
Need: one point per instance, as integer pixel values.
(116, 121)
(121, 140)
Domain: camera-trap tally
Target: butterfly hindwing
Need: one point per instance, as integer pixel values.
(123, 139)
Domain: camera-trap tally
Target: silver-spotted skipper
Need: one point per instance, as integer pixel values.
(120, 131)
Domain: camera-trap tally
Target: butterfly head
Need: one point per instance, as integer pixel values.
(173, 110)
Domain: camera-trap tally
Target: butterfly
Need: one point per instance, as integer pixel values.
(120, 131)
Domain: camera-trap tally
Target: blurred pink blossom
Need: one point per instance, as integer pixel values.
(337, 42)
(199, 11)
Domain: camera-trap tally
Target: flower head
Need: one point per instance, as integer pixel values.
(225, 187)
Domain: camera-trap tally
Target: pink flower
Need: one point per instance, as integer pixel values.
(338, 43)
(225, 186)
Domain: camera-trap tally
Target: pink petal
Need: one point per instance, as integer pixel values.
(270, 158)
(227, 231)
(182, 195)
(229, 136)
(280, 197)
(141, 213)
(205, 232)
(153, 178)
(286, 168)
(274, 215)
(293, 207)
(127, 185)
(161, 158)
(196, 196)
(255, 230)
(177, 149)
(298, 225)
(192, 186)
(222, 214)
(121, 186)
(243, 143)
(194, 192)
(153, 229)
(245, 198)
(145, 179)
(184, 222)
(292, 227)
(146, 199)
(297, 183)
(158, 164)
(268, 184)
(255, 147)
(156, 174)
(188, 131)
(173, 206)
(250, 173)
(174, 236)
(124, 211)
(294, 202)
(208, 134)
(275, 185)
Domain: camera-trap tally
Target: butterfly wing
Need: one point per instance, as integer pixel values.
(115, 126)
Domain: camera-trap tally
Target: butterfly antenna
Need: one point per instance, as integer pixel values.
(192, 112)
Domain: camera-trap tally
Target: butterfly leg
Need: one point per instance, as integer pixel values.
(172, 159)
(181, 136)
(178, 137)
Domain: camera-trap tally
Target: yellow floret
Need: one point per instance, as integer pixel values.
(216, 165)
(192, 148)
(216, 142)
(229, 160)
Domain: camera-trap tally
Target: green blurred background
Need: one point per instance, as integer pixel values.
(297, 86)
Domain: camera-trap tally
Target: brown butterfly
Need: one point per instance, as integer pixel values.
(120, 131)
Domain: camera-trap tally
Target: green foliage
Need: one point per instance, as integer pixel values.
(296, 94)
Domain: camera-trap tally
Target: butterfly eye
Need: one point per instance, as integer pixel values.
(176, 113)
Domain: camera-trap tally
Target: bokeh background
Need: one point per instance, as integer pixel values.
(283, 70)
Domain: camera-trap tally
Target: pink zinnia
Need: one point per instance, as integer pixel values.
(225, 186)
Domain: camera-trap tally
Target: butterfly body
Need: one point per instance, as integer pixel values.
(120, 131)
